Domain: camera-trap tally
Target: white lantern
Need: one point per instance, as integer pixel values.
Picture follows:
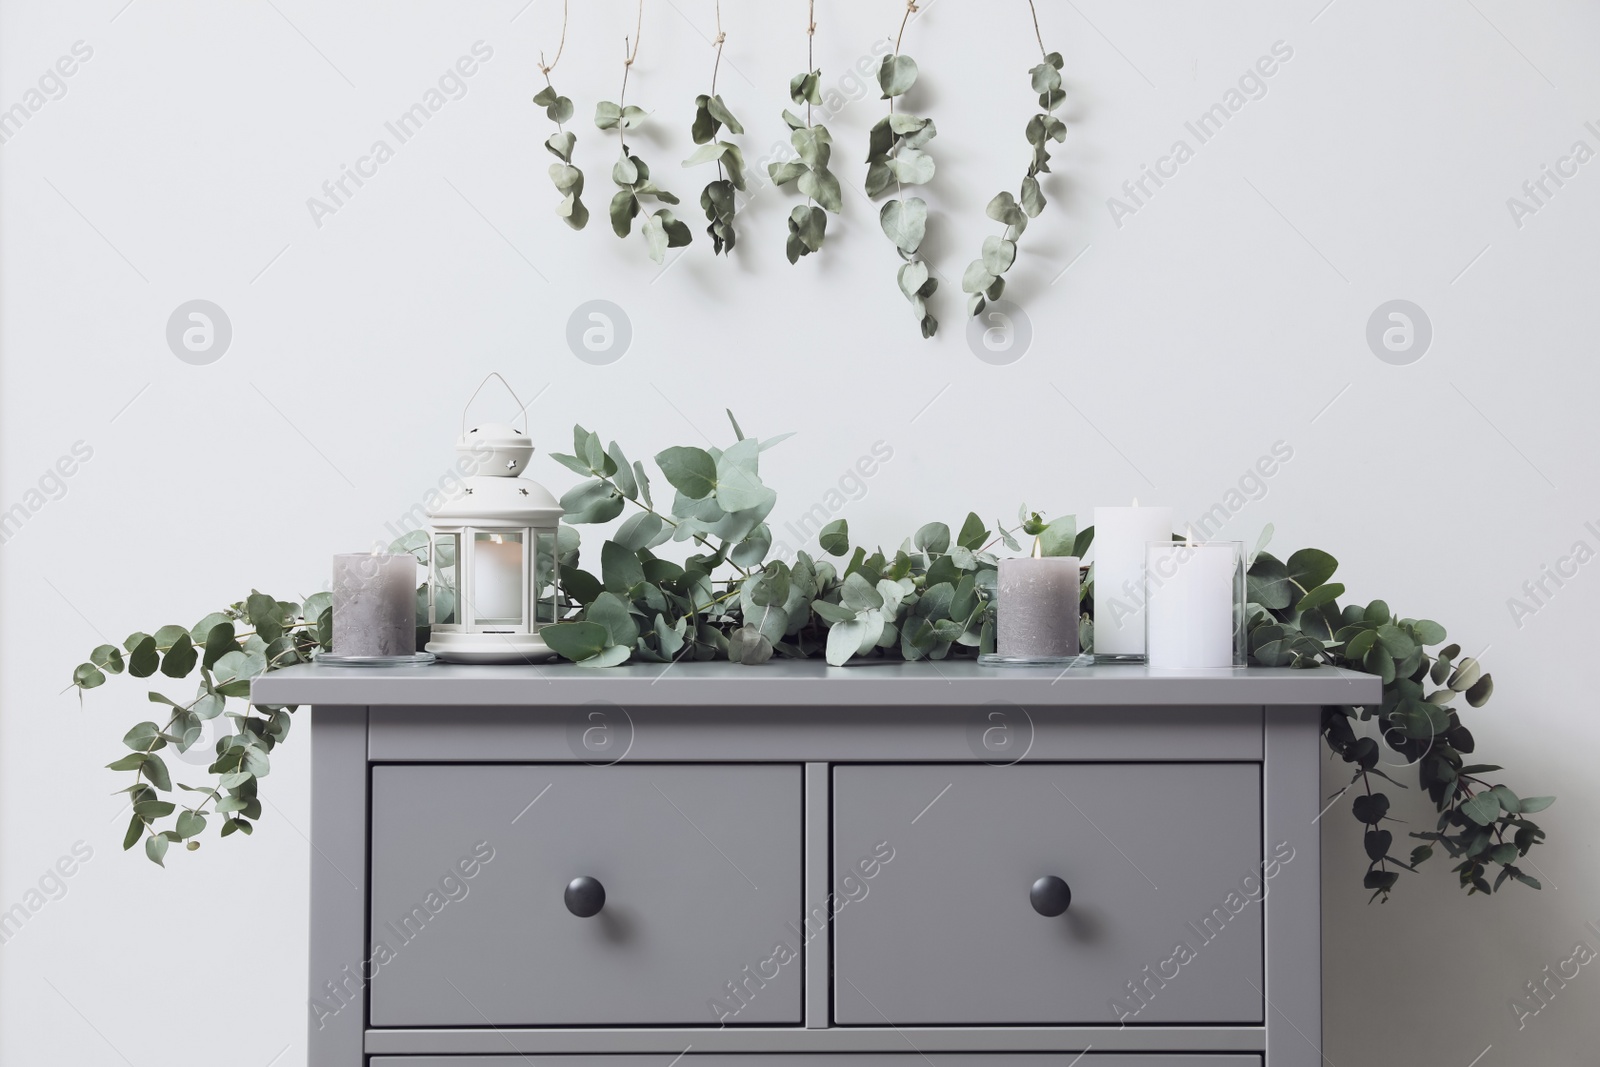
(494, 558)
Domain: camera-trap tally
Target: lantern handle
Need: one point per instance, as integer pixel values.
(522, 409)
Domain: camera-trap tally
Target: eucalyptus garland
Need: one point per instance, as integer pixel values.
(710, 116)
(932, 598)
(984, 279)
(1296, 621)
(895, 156)
(568, 178)
(661, 229)
(813, 145)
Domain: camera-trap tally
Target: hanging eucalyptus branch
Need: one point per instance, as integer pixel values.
(895, 154)
(984, 278)
(710, 115)
(1295, 620)
(568, 179)
(661, 228)
(228, 648)
(808, 223)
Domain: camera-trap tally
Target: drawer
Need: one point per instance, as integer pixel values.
(1018, 1059)
(1164, 864)
(700, 865)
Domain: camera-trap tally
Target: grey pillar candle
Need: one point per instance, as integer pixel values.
(374, 604)
(1037, 607)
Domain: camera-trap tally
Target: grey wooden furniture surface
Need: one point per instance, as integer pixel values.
(801, 865)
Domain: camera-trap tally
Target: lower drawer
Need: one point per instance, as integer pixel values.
(969, 1059)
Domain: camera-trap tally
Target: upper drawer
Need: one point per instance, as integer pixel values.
(701, 868)
(1164, 865)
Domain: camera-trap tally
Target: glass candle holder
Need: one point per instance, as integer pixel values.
(374, 604)
(1194, 605)
(1036, 612)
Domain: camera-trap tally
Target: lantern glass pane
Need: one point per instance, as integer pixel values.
(544, 583)
(496, 591)
(446, 548)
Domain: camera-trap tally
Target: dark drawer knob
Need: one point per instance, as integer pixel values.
(585, 897)
(1050, 896)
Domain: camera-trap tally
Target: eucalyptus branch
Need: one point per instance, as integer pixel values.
(1296, 621)
(710, 116)
(567, 178)
(672, 524)
(895, 154)
(813, 146)
(661, 229)
(984, 279)
(225, 658)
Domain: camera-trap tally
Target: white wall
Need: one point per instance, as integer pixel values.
(1226, 314)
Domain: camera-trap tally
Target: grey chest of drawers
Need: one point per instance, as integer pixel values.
(888, 865)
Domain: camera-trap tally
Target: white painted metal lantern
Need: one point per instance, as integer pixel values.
(494, 563)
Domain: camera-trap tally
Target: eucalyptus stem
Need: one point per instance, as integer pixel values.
(911, 6)
(627, 64)
(895, 158)
(984, 278)
(567, 178)
(660, 229)
(719, 198)
(811, 38)
(546, 68)
(697, 538)
(716, 66)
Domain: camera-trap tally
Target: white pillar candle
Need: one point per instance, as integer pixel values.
(1037, 607)
(374, 604)
(1190, 593)
(497, 578)
(1120, 536)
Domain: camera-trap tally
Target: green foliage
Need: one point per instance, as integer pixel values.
(225, 650)
(895, 158)
(710, 116)
(932, 598)
(661, 228)
(1295, 620)
(568, 179)
(984, 279)
(813, 146)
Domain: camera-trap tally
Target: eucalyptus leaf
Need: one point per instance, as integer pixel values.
(905, 223)
(690, 470)
(835, 538)
(896, 74)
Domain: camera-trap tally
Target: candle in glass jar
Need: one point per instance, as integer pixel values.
(497, 578)
(374, 604)
(1120, 536)
(1192, 601)
(1037, 607)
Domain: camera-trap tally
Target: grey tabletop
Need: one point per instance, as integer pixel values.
(810, 682)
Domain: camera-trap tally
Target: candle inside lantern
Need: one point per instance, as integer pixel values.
(1192, 603)
(1120, 536)
(374, 604)
(1037, 607)
(497, 581)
